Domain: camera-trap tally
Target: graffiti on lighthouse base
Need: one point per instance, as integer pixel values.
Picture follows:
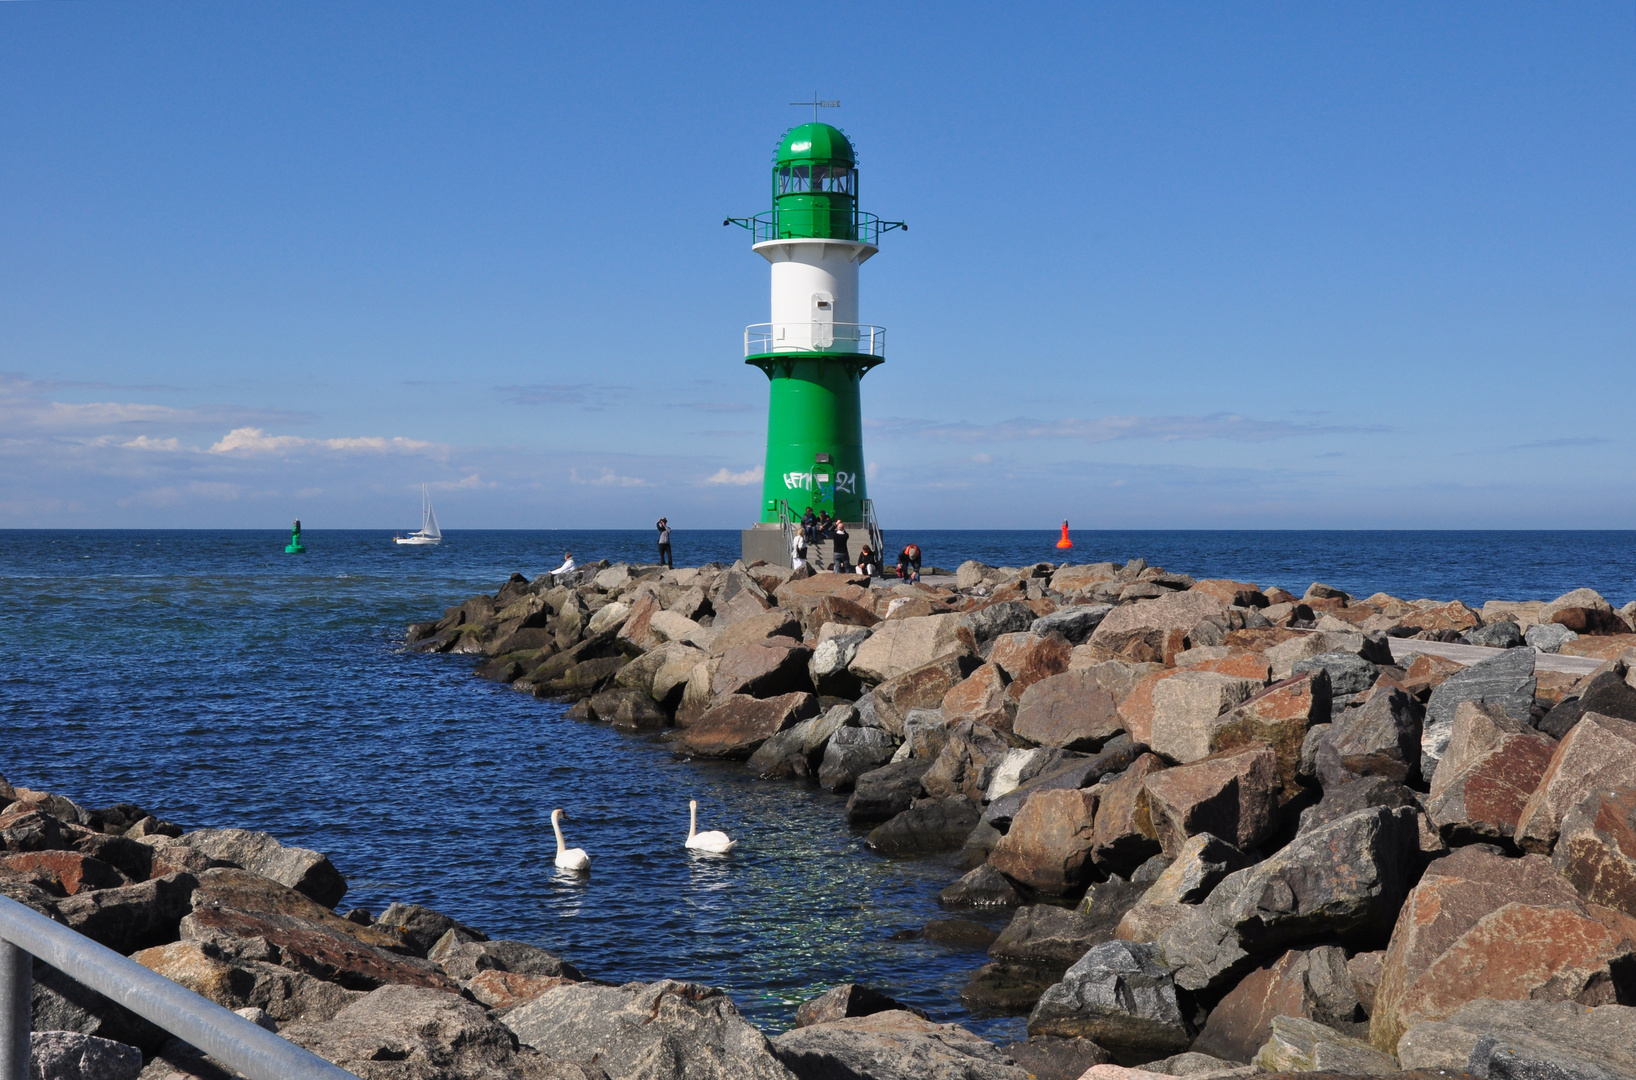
(845, 482)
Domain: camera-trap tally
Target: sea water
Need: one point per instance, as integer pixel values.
(216, 681)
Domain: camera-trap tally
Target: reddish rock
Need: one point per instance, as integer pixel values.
(1597, 849)
(1232, 593)
(777, 667)
(1480, 925)
(23, 828)
(1486, 775)
(1124, 836)
(902, 645)
(496, 989)
(738, 725)
(1244, 665)
(1070, 710)
(1233, 795)
(1313, 985)
(1049, 845)
(921, 688)
(1156, 629)
(1185, 709)
(980, 698)
(1602, 647)
(308, 937)
(839, 609)
(68, 871)
(755, 630)
(1599, 752)
(1137, 708)
(1426, 671)
(1026, 658)
(637, 633)
(1278, 717)
(822, 584)
(1450, 616)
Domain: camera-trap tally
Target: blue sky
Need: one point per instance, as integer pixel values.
(1191, 266)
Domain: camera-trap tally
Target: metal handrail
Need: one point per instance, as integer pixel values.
(786, 525)
(222, 1034)
(877, 541)
(798, 224)
(861, 339)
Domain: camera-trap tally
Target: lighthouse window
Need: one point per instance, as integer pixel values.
(828, 179)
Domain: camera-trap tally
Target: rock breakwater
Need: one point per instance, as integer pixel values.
(1255, 829)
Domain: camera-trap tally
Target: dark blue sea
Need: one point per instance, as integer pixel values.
(218, 682)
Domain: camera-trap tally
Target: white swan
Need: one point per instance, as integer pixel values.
(568, 858)
(705, 841)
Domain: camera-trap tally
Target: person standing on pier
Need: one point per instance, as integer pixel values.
(663, 525)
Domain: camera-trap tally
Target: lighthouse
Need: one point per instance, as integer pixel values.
(814, 351)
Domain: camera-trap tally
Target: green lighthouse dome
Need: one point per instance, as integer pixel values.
(815, 142)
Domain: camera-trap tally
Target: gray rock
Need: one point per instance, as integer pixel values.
(412, 1033)
(979, 628)
(657, 1031)
(1364, 793)
(927, 827)
(1115, 756)
(1121, 996)
(1500, 635)
(808, 740)
(462, 957)
(1349, 673)
(307, 872)
(1301, 1045)
(1607, 694)
(1548, 637)
(69, 1055)
(1380, 739)
(1527, 1040)
(831, 658)
(1343, 881)
(1047, 1057)
(1076, 623)
(1200, 1066)
(853, 751)
(1308, 769)
(1507, 680)
(924, 733)
(894, 1045)
(420, 927)
(838, 1003)
(984, 887)
(883, 793)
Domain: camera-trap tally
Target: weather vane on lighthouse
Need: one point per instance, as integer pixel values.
(816, 105)
(814, 352)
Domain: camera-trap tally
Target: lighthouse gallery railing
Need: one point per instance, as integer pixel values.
(860, 338)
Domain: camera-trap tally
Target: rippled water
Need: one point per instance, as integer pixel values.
(218, 682)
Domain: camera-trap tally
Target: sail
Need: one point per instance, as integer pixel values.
(430, 529)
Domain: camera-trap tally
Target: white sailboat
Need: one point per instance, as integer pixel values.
(428, 533)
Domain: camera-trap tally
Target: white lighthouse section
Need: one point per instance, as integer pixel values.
(815, 292)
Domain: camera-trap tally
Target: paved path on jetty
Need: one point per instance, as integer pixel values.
(1403, 648)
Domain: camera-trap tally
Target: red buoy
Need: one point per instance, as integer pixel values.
(1065, 542)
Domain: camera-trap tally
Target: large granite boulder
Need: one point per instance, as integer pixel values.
(736, 728)
(1380, 739)
(807, 740)
(1311, 984)
(892, 1045)
(1596, 851)
(1049, 845)
(1155, 630)
(1201, 864)
(1348, 672)
(131, 917)
(981, 699)
(1599, 752)
(901, 645)
(768, 669)
(966, 765)
(1027, 658)
(1526, 1040)
(1507, 681)
(420, 928)
(852, 752)
(1345, 881)
(1076, 622)
(1487, 774)
(1279, 717)
(69, 1055)
(1233, 795)
(1186, 706)
(884, 793)
(841, 1002)
(1607, 693)
(923, 687)
(978, 629)
(1076, 772)
(982, 887)
(1480, 925)
(1124, 835)
(927, 827)
(407, 1033)
(1121, 996)
(240, 978)
(306, 871)
(1296, 1044)
(658, 1031)
(830, 666)
(1070, 710)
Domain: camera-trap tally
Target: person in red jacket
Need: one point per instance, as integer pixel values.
(909, 563)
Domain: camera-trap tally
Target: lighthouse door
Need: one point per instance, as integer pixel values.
(823, 320)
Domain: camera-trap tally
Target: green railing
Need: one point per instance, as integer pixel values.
(816, 222)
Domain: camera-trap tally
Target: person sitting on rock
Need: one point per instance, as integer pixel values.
(826, 525)
(866, 562)
(909, 563)
(809, 526)
(560, 574)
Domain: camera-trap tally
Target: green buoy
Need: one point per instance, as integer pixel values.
(294, 546)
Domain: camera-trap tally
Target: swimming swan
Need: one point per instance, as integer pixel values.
(568, 858)
(704, 841)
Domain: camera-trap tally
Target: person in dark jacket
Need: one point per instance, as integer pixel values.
(665, 559)
(809, 526)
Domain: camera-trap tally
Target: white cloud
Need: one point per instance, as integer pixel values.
(737, 479)
(250, 440)
(142, 442)
(609, 478)
(470, 483)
